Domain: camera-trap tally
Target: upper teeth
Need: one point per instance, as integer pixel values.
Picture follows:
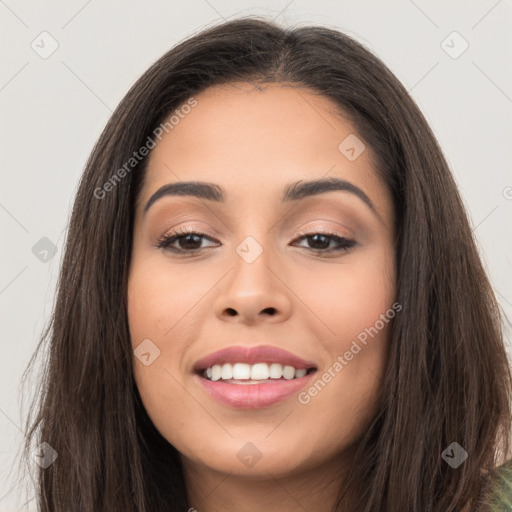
(258, 371)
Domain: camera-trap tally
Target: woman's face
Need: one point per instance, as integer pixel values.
(254, 278)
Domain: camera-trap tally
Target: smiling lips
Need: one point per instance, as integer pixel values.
(252, 377)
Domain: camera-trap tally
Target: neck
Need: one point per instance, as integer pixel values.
(315, 489)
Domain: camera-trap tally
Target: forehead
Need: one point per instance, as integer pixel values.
(254, 140)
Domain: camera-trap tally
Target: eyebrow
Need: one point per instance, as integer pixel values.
(292, 192)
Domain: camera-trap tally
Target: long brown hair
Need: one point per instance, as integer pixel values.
(448, 378)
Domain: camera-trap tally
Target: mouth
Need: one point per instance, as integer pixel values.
(259, 373)
(250, 378)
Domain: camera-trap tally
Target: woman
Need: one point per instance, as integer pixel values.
(329, 341)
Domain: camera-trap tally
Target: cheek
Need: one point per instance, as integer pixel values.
(345, 393)
(355, 303)
(162, 307)
(350, 295)
(162, 299)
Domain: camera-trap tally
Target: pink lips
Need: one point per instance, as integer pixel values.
(252, 396)
(253, 355)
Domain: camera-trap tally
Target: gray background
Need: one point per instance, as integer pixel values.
(54, 108)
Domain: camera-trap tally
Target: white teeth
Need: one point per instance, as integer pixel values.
(216, 372)
(227, 371)
(288, 372)
(276, 371)
(258, 371)
(241, 371)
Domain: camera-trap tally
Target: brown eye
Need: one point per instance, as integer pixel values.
(321, 242)
(187, 241)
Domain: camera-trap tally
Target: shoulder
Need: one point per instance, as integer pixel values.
(501, 500)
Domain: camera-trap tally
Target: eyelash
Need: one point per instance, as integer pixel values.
(165, 241)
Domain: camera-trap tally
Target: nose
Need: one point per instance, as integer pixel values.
(254, 292)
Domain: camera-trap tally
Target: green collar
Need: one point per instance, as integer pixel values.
(502, 489)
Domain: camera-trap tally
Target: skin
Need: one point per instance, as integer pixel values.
(253, 141)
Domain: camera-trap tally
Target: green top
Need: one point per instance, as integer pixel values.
(502, 489)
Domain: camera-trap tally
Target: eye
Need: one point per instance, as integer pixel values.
(189, 241)
(321, 242)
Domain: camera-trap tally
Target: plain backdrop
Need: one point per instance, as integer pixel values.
(54, 106)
